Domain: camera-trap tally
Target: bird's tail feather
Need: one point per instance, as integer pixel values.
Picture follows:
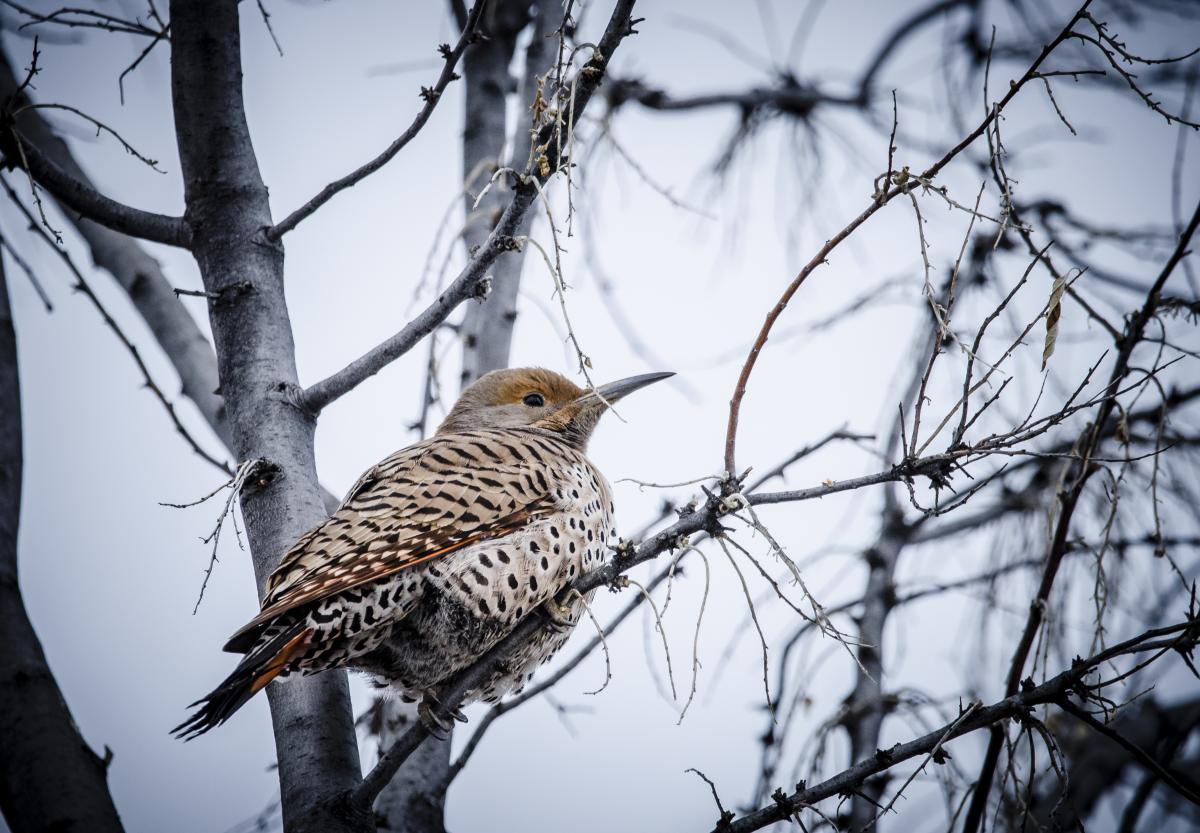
(261, 665)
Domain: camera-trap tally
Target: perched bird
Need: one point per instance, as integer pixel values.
(438, 551)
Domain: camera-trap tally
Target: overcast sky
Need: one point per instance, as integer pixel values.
(110, 577)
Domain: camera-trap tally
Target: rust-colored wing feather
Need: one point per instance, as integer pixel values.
(422, 503)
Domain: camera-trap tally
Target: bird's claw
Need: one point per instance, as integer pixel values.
(559, 615)
(438, 719)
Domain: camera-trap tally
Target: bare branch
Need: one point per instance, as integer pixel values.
(899, 35)
(501, 239)
(245, 470)
(981, 717)
(141, 278)
(73, 192)
(877, 203)
(470, 283)
(83, 286)
(29, 273)
(431, 95)
(1068, 500)
(157, 228)
(1171, 779)
(77, 18)
(100, 126)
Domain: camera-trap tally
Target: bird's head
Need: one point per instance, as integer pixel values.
(531, 397)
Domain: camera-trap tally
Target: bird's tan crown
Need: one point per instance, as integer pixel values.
(510, 387)
(514, 398)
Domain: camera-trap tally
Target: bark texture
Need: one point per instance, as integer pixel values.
(52, 780)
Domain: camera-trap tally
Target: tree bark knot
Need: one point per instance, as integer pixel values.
(293, 395)
(263, 237)
(227, 296)
(482, 289)
(261, 474)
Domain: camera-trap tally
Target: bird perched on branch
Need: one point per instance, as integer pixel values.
(440, 550)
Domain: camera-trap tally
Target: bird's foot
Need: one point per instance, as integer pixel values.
(559, 615)
(436, 717)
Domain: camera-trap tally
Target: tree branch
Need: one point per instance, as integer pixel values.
(897, 37)
(1053, 690)
(1088, 445)
(84, 287)
(789, 96)
(432, 96)
(1095, 766)
(499, 241)
(142, 278)
(471, 282)
(1171, 779)
(79, 194)
(137, 273)
(887, 193)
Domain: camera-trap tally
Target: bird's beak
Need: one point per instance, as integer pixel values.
(615, 391)
(577, 418)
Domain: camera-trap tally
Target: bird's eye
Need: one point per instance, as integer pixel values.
(535, 400)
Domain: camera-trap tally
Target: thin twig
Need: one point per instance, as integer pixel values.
(431, 95)
(83, 286)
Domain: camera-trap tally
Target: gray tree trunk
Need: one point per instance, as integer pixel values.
(228, 210)
(414, 801)
(488, 327)
(52, 780)
(868, 704)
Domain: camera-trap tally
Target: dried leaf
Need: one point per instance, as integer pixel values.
(1052, 317)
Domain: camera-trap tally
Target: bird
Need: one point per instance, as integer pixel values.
(440, 550)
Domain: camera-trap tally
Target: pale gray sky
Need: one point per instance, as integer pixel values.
(110, 577)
